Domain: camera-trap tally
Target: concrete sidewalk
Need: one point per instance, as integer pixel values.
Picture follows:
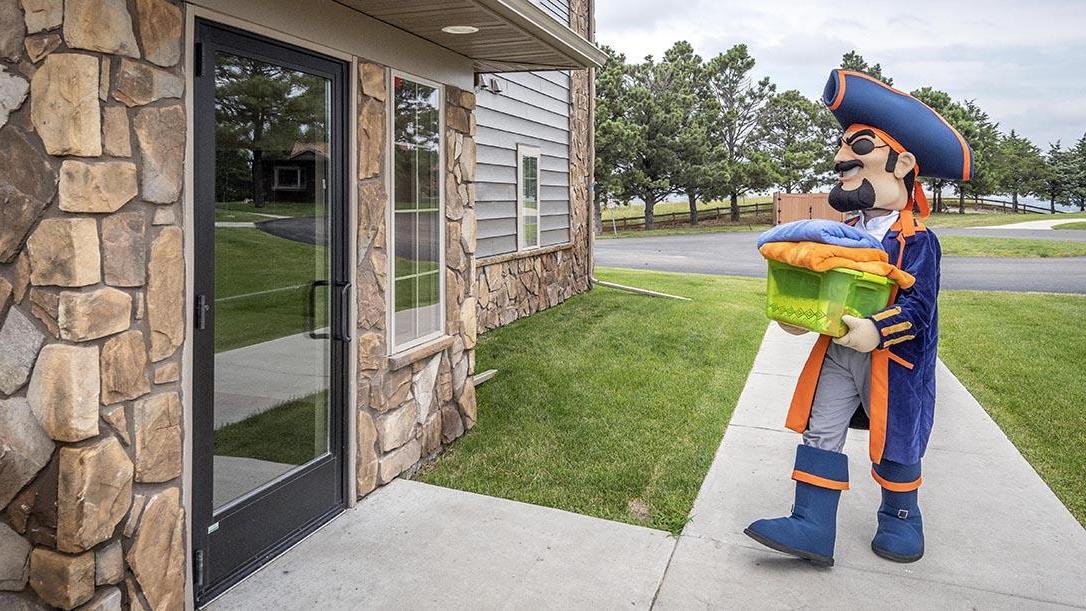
(997, 537)
(253, 379)
(411, 545)
(1040, 225)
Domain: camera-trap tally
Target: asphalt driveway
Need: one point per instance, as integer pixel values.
(736, 254)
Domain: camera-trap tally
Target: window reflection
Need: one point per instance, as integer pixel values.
(417, 218)
(528, 197)
(271, 270)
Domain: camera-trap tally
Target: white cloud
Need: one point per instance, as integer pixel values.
(1022, 61)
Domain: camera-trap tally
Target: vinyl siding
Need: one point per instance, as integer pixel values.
(559, 9)
(532, 109)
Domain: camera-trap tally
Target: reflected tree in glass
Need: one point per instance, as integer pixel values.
(261, 110)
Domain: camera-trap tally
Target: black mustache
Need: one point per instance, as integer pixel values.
(860, 198)
(844, 166)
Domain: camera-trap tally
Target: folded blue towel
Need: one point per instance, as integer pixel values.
(825, 232)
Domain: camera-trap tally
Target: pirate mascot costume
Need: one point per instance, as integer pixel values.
(885, 364)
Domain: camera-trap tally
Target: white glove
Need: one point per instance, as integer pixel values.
(862, 336)
(794, 330)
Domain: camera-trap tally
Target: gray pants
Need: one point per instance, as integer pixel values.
(843, 384)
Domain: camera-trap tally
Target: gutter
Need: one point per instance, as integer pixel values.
(535, 22)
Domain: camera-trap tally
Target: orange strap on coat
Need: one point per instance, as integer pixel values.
(799, 412)
(879, 399)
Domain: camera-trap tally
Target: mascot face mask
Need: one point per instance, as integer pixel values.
(871, 174)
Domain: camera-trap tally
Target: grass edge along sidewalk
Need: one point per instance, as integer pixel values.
(566, 424)
(1021, 356)
(612, 404)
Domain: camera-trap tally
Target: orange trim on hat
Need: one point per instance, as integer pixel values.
(864, 75)
(966, 156)
(840, 90)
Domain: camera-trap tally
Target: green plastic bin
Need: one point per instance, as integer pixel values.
(817, 300)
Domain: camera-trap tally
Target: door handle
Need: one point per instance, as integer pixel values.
(344, 334)
(311, 309)
(200, 310)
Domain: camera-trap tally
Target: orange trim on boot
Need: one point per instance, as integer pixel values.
(821, 482)
(896, 486)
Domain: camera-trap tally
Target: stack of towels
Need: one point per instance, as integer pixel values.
(824, 245)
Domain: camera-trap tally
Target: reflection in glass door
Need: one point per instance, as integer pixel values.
(271, 273)
(271, 299)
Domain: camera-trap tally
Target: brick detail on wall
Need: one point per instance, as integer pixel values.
(92, 140)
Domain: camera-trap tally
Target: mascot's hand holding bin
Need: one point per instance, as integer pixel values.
(882, 359)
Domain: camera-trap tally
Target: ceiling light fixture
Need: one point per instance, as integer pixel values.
(460, 29)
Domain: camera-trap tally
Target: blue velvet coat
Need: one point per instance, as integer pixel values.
(902, 401)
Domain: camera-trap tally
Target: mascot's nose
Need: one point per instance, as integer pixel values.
(843, 166)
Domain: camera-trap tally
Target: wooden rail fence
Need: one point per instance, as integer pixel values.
(994, 204)
(683, 216)
(667, 219)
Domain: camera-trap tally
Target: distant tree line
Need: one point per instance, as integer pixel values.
(709, 130)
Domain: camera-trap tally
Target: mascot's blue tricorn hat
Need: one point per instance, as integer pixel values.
(856, 98)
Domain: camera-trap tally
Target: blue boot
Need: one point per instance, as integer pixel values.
(900, 536)
(810, 531)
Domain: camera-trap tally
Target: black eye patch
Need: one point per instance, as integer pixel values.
(862, 146)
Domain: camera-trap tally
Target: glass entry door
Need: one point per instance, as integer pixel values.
(271, 300)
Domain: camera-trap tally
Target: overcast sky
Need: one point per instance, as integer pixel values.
(1024, 62)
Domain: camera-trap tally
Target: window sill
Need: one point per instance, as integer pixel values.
(522, 254)
(417, 353)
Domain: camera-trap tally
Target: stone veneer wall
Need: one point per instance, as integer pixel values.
(92, 140)
(514, 285)
(410, 404)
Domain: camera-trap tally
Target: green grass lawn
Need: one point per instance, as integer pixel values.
(982, 219)
(635, 209)
(1079, 225)
(284, 434)
(613, 404)
(237, 216)
(1022, 356)
(965, 246)
(261, 282)
(277, 209)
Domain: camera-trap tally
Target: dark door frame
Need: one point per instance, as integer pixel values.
(298, 509)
